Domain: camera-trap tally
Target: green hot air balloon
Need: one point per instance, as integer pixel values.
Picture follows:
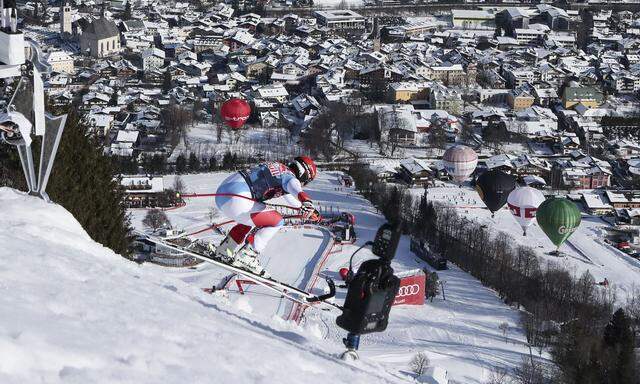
(558, 218)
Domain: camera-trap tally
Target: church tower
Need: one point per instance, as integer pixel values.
(65, 20)
(376, 35)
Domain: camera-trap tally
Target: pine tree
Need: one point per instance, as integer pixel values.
(166, 81)
(10, 169)
(213, 163)
(194, 163)
(113, 100)
(127, 11)
(227, 161)
(619, 345)
(181, 164)
(82, 182)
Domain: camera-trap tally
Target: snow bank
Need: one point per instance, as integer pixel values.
(73, 311)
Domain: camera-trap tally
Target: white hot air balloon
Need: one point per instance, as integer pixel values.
(460, 161)
(523, 203)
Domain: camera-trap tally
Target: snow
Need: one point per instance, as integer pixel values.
(76, 312)
(460, 335)
(80, 313)
(248, 141)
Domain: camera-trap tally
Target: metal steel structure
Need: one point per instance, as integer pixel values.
(22, 112)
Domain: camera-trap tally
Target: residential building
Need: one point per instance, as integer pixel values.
(528, 36)
(473, 19)
(397, 124)
(152, 59)
(407, 91)
(590, 97)
(341, 20)
(441, 97)
(520, 98)
(415, 172)
(61, 62)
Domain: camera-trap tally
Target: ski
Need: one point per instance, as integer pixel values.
(290, 292)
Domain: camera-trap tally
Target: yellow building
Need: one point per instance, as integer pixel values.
(407, 91)
(519, 99)
(587, 96)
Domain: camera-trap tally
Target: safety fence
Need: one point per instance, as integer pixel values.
(297, 310)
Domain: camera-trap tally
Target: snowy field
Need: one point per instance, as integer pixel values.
(584, 250)
(460, 334)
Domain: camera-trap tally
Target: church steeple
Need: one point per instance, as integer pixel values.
(65, 20)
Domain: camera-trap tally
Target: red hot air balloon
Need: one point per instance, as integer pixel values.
(235, 112)
(344, 273)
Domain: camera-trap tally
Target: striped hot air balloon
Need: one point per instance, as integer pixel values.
(523, 203)
(460, 161)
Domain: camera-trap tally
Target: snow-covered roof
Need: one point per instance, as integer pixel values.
(532, 179)
(595, 201)
(414, 165)
(143, 184)
(273, 91)
(127, 136)
(397, 117)
(58, 56)
(502, 160)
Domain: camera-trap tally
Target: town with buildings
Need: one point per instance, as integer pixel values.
(541, 92)
(547, 93)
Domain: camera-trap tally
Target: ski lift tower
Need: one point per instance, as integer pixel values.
(22, 114)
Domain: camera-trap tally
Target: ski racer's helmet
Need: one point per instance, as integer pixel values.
(304, 168)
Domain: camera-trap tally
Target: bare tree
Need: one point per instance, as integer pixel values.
(438, 135)
(419, 363)
(156, 219)
(318, 137)
(504, 327)
(633, 307)
(499, 375)
(178, 184)
(530, 372)
(176, 119)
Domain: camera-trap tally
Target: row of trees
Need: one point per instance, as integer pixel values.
(157, 164)
(572, 316)
(230, 161)
(336, 123)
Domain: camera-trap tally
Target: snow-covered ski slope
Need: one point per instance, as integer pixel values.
(290, 257)
(460, 334)
(584, 250)
(72, 311)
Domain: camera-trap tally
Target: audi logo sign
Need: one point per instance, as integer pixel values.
(412, 290)
(408, 290)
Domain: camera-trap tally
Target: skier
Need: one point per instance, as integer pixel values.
(240, 197)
